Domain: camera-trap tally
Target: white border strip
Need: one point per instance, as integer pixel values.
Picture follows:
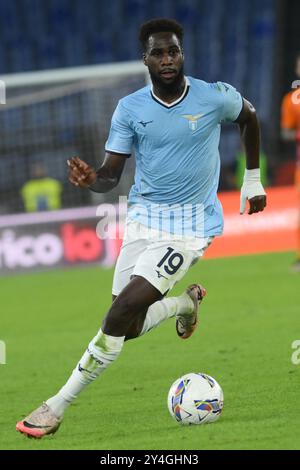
(49, 77)
(35, 218)
(78, 213)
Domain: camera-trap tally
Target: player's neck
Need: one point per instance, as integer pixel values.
(169, 93)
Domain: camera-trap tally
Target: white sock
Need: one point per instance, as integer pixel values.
(101, 352)
(166, 308)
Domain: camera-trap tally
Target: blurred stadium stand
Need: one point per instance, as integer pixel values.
(65, 33)
(233, 41)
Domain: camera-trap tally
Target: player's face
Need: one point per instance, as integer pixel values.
(164, 58)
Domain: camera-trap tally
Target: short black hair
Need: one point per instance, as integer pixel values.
(159, 25)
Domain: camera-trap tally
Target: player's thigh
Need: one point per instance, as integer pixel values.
(129, 254)
(164, 263)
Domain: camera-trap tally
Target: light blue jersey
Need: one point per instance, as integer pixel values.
(177, 156)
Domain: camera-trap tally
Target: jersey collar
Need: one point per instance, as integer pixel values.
(174, 103)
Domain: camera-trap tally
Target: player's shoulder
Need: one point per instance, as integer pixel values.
(214, 90)
(137, 98)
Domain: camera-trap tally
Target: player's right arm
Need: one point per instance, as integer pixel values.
(102, 180)
(117, 149)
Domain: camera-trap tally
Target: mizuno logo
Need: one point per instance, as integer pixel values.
(144, 124)
(81, 369)
(193, 120)
(160, 275)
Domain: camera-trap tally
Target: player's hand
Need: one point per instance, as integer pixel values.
(80, 173)
(257, 204)
(253, 191)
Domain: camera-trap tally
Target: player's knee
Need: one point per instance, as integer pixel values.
(124, 307)
(122, 317)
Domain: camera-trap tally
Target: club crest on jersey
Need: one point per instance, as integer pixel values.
(193, 120)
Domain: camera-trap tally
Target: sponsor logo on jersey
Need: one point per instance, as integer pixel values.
(144, 123)
(159, 275)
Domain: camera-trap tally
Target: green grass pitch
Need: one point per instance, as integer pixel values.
(248, 322)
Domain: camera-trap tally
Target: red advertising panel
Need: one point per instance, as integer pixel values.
(69, 237)
(55, 239)
(275, 229)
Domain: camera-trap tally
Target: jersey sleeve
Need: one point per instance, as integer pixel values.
(120, 139)
(232, 102)
(288, 115)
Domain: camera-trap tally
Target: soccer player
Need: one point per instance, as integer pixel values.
(290, 132)
(174, 127)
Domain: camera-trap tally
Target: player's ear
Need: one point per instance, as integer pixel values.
(145, 58)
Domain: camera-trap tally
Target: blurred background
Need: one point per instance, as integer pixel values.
(66, 63)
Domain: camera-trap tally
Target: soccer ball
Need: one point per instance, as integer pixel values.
(195, 399)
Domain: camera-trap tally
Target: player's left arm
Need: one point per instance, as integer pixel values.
(252, 188)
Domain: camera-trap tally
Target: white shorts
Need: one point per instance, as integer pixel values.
(162, 261)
